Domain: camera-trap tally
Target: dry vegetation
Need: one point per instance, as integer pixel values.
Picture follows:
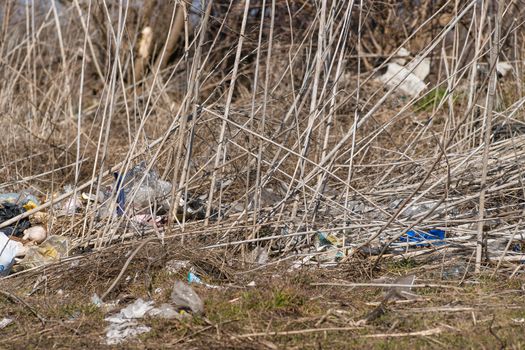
(271, 115)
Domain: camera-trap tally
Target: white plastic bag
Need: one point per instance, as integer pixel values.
(9, 249)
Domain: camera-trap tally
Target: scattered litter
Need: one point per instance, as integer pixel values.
(406, 77)
(51, 250)
(329, 250)
(176, 266)
(95, 300)
(421, 69)
(9, 249)
(185, 298)
(23, 199)
(4, 322)
(137, 309)
(251, 284)
(8, 211)
(165, 311)
(91, 197)
(518, 320)
(105, 306)
(399, 292)
(401, 56)
(503, 68)
(37, 234)
(258, 256)
(328, 239)
(71, 205)
(401, 77)
(123, 324)
(419, 236)
(330, 244)
(148, 220)
(193, 278)
(145, 196)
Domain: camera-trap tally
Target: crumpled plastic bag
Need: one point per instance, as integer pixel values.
(9, 249)
(151, 192)
(51, 250)
(185, 298)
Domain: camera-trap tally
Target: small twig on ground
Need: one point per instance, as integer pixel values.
(116, 281)
(301, 331)
(385, 285)
(426, 332)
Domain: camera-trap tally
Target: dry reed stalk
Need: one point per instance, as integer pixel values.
(494, 53)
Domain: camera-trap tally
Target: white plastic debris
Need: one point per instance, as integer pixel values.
(401, 56)
(404, 75)
(116, 333)
(176, 266)
(503, 68)
(95, 300)
(258, 256)
(419, 67)
(4, 322)
(123, 325)
(165, 311)
(401, 77)
(36, 234)
(9, 249)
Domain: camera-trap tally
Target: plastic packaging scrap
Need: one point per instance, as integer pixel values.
(23, 199)
(71, 205)
(9, 249)
(4, 322)
(329, 243)
(193, 278)
(329, 250)
(51, 250)
(258, 256)
(503, 68)
(402, 288)
(152, 192)
(409, 78)
(454, 272)
(185, 299)
(434, 235)
(148, 220)
(124, 324)
(176, 266)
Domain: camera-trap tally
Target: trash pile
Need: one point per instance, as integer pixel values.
(125, 324)
(139, 195)
(24, 242)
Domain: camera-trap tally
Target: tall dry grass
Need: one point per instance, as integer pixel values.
(270, 112)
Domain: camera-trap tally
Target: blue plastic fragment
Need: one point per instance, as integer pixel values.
(420, 236)
(193, 278)
(121, 195)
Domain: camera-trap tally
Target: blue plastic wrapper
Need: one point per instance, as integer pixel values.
(420, 236)
(193, 278)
